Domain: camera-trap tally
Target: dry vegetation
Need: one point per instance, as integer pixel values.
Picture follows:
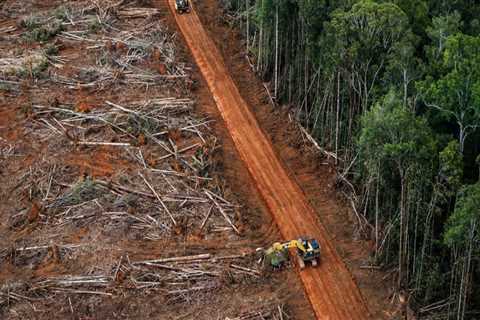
(112, 199)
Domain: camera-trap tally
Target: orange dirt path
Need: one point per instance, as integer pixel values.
(330, 287)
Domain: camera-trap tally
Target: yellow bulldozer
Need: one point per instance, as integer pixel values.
(277, 255)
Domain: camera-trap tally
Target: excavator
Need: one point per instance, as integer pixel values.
(182, 6)
(277, 255)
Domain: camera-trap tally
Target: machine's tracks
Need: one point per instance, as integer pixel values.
(330, 287)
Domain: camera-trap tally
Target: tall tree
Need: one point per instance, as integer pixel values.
(393, 137)
(456, 93)
(363, 38)
(463, 236)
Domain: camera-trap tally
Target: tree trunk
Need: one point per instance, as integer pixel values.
(337, 117)
(403, 228)
(248, 26)
(276, 51)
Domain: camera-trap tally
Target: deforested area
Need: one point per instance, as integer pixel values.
(390, 91)
(113, 204)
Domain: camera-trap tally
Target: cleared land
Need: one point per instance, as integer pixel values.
(113, 203)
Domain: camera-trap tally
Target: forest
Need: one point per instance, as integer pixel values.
(393, 89)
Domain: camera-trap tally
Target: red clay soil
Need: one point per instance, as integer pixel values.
(330, 287)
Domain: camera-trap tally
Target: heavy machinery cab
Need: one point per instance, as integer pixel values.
(308, 250)
(182, 6)
(312, 249)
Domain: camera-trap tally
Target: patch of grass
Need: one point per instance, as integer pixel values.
(50, 50)
(5, 87)
(31, 22)
(61, 13)
(141, 125)
(43, 33)
(34, 70)
(94, 26)
(39, 30)
(82, 191)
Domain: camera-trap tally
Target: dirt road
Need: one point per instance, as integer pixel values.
(330, 287)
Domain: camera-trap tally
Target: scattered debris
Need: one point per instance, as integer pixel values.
(112, 189)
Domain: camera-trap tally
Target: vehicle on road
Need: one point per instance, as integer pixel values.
(277, 255)
(182, 6)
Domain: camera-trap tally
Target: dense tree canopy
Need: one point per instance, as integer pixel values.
(393, 88)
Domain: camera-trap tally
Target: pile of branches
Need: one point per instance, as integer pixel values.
(179, 279)
(7, 149)
(266, 313)
(120, 56)
(161, 184)
(31, 255)
(122, 50)
(127, 204)
(163, 189)
(87, 124)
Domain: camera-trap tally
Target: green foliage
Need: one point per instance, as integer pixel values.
(50, 50)
(463, 225)
(94, 25)
(456, 93)
(397, 149)
(40, 29)
(432, 285)
(33, 67)
(43, 33)
(442, 27)
(451, 165)
(367, 31)
(61, 13)
(31, 22)
(362, 40)
(391, 81)
(82, 191)
(417, 12)
(392, 133)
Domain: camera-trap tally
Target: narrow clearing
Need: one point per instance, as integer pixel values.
(330, 287)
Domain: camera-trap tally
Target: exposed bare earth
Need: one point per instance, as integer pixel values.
(78, 221)
(330, 287)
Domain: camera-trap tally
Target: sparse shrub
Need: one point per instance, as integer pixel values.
(44, 33)
(94, 26)
(26, 109)
(88, 75)
(5, 87)
(142, 125)
(61, 13)
(39, 30)
(30, 23)
(82, 191)
(50, 50)
(34, 68)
